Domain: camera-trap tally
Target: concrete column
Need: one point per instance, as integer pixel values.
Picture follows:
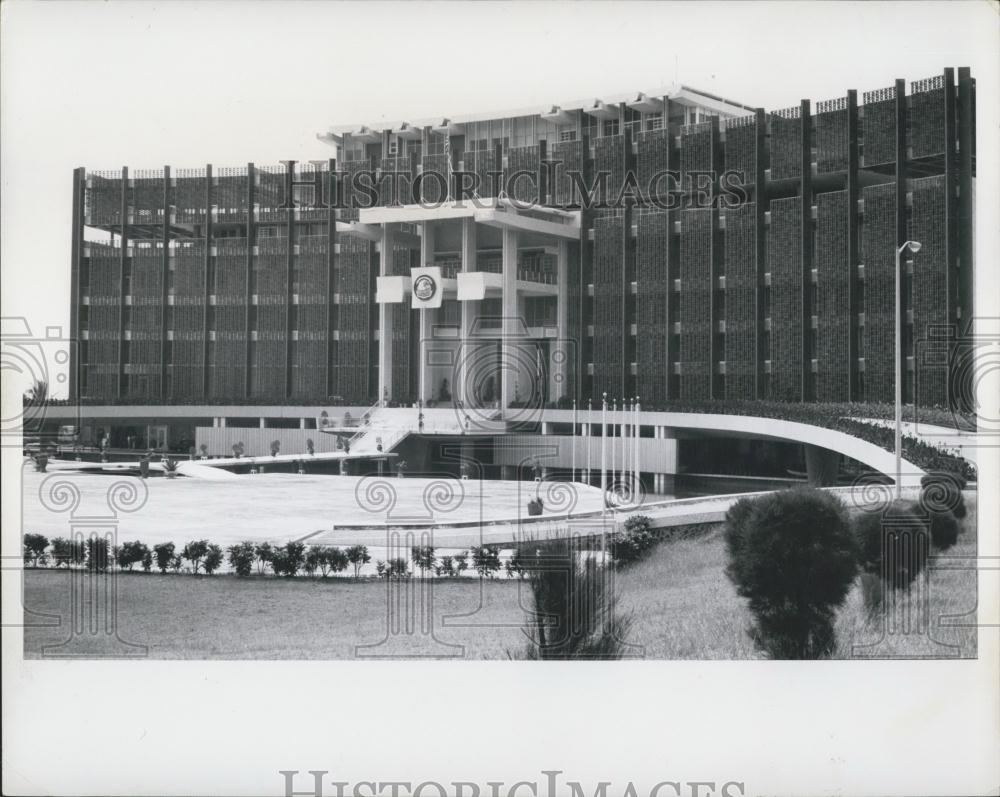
(560, 365)
(262, 423)
(511, 320)
(222, 423)
(385, 318)
(470, 310)
(302, 423)
(426, 389)
(822, 466)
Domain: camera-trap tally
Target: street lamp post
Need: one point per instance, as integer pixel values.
(912, 246)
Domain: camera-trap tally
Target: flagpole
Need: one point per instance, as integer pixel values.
(638, 470)
(572, 477)
(604, 438)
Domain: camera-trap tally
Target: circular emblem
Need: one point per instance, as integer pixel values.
(424, 287)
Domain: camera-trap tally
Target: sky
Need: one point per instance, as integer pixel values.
(144, 84)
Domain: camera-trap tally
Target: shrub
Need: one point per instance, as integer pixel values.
(129, 554)
(331, 560)
(486, 560)
(792, 555)
(164, 553)
(944, 530)
(213, 558)
(288, 560)
(634, 542)
(574, 608)
(445, 567)
(358, 556)
(424, 557)
(275, 447)
(515, 564)
(34, 548)
(892, 544)
(380, 568)
(265, 555)
(241, 558)
(942, 490)
(97, 554)
(67, 552)
(397, 568)
(194, 552)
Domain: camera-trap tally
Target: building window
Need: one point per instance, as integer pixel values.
(654, 121)
(567, 135)
(610, 127)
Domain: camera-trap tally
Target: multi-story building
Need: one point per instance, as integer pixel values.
(731, 253)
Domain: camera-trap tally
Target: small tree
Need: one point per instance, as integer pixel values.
(62, 551)
(241, 558)
(147, 561)
(333, 561)
(380, 569)
(310, 446)
(397, 568)
(312, 561)
(213, 558)
(445, 567)
(175, 563)
(129, 554)
(792, 555)
(515, 564)
(288, 559)
(461, 562)
(423, 557)
(265, 556)
(238, 449)
(204, 450)
(486, 560)
(98, 557)
(34, 548)
(358, 556)
(194, 552)
(163, 553)
(942, 502)
(275, 447)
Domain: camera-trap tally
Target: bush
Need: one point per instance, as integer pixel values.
(397, 568)
(241, 558)
(574, 609)
(265, 554)
(445, 567)
(515, 564)
(67, 552)
(194, 552)
(942, 491)
(164, 554)
(634, 542)
(98, 557)
(34, 548)
(357, 556)
(129, 554)
(792, 555)
(892, 544)
(486, 560)
(213, 559)
(288, 559)
(423, 557)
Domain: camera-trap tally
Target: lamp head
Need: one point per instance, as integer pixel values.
(914, 246)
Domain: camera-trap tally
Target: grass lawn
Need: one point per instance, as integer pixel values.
(684, 606)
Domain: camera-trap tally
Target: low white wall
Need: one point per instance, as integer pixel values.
(257, 442)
